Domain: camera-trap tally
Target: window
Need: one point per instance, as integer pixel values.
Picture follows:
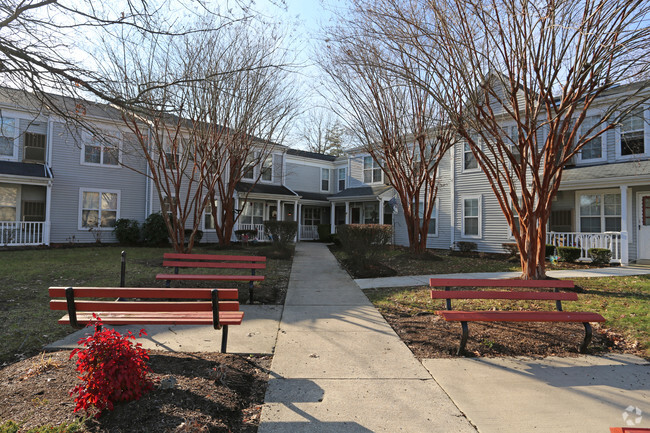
(512, 140)
(253, 213)
(324, 179)
(208, 221)
(101, 150)
(593, 149)
(34, 147)
(600, 211)
(433, 222)
(8, 202)
(99, 209)
(371, 213)
(248, 170)
(8, 138)
(371, 170)
(632, 133)
(472, 217)
(267, 169)
(515, 216)
(341, 178)
(469, 160)
(311, 216)
(33, 211)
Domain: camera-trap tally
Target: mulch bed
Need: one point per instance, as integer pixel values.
(430, 336)
(213, 392)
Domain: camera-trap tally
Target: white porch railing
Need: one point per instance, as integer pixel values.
(260, 231)
(20, 233)
(308, 233)
(585, 241)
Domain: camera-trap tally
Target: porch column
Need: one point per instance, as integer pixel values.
(279, 216)
(347, 212)
(297, 211)
(48, 205)
(624, 239)
(332, 215)
(234, 215)
(381, 211)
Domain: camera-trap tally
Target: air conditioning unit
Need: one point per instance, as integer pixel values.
(34, 149)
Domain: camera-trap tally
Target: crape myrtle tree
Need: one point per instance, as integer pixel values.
(523, 81)
(223, 98)
(396, 120)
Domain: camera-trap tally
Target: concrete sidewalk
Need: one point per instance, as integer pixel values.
(339, 367)
(423, 280)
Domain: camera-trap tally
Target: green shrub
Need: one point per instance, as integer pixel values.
(78, 425)
(568, 254)
(250, 233)
(600, 256)
(362, 242)
(550, 250)
(466, 247)
(282, 232)
(154, 230)
(127, 231)
(324, 234)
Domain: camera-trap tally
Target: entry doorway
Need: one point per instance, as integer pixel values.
(643, 226)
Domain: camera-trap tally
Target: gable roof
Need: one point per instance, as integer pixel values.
(312, 155)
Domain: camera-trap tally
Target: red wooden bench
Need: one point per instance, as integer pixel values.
(628, 430)
(210, 261)
(511, 316)
(216, 307)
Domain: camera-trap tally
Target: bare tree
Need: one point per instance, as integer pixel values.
(224, 98)
(397, 121)
(520, 80)
(322, 133)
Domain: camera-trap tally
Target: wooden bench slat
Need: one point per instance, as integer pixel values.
(213, 257)
(208, 277)
(81, 305)
(523, 296)
(214, 265)
(520, 316)
(111, 318)
(468, 282)
(144, 293)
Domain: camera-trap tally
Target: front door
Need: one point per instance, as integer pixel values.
(273, 213)
(643, 226)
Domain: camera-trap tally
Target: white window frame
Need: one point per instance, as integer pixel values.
(249, 159)
(250, 204)
(469, 150)
(434, 216)
(510, 233)
(374, 166)
(480, 216)
(269, 157)
(16, 206)
(100, 191)
(338, 178)
(324, 177)
(601, 137)
(646, 137)
(13, 157)
(86, 137)
(603, 222)
(209, 214)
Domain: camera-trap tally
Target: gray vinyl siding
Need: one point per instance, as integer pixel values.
(277, 169)
(301, 177)
(355, 168)
(70, 176)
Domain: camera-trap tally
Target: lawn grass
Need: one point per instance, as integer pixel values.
(27, 323)
(623, 301)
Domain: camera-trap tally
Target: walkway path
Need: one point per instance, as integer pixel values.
(339, 367)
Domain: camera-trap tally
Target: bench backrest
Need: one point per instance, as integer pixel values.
(179, 260)
(523, 284)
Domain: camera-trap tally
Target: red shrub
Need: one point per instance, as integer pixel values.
(112, 368)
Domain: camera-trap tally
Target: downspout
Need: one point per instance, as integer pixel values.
(452, 191)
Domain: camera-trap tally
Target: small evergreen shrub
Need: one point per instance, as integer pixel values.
(127, 231)
(466, 247)
(324, 234)
(550, 250)
(600, 256)
(282, 232)
(568, 254)
(362, 242)
(112, 369)
(154, 230)
(197, 236)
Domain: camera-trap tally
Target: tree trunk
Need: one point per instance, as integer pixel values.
(532, 250)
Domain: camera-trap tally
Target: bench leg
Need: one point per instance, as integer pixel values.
(587, 340)
(463, 339)
(224, 338)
